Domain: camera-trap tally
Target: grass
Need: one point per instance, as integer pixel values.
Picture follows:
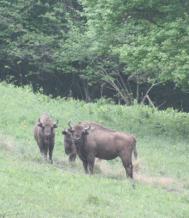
(32, 188)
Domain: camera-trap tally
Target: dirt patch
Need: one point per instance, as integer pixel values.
(7, 143)
(167, 183)
(65, 165)
(163, 181)
(103, 166)
(112, 171)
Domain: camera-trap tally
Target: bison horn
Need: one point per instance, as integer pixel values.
(69, 124)
(87, 128)
(55, 124)
(39, 123)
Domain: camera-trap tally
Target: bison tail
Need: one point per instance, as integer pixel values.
(134, 150)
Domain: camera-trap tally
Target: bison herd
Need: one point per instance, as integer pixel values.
(88, 140)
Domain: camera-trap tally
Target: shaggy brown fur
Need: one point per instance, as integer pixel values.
(69, 145)
(44, 135)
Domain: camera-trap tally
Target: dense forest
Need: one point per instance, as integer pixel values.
(127, 51)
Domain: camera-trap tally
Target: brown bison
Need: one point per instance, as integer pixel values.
(69, 146)
(44, 135)
(94, 140)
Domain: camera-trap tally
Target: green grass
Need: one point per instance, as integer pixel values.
(32, 188)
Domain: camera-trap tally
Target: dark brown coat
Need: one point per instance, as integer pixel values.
(69, 146)
(44, 135)
(97, 141)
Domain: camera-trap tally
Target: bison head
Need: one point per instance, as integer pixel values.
(78, 133)
(68, 142)
(47, 130)
(69, 145)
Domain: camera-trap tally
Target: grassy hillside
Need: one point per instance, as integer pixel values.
(32, 188)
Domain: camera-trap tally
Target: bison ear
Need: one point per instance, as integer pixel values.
(86, 130)
(70, 130)
(64, 132)
(55, 125)
(40, 125)
(70, 125)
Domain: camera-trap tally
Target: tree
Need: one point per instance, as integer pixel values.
(149, 37)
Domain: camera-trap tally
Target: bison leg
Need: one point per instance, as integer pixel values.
(91, 161)
(45, 154)
(129, 170)
(72, 157)
(50, 154)
(41, 150)
(85, 165)
(127, 163)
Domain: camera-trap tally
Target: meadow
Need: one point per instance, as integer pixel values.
(32, 188)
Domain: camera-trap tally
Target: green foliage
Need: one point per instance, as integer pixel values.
(149, 37)
(92, 43)
(34, 32)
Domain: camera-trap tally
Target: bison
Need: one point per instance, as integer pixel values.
(44, 135)
(93, 140)
(69, 146)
